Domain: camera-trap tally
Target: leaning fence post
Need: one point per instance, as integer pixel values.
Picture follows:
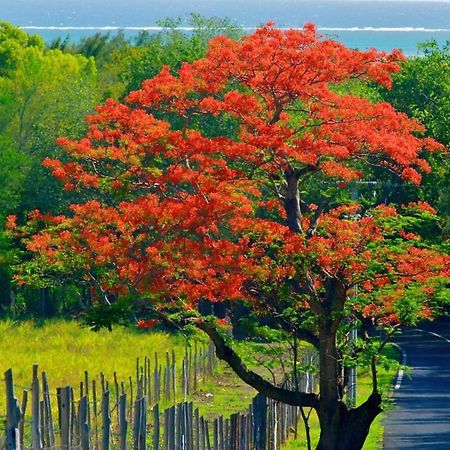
(13, 414)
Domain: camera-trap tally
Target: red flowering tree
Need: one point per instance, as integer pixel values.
(198, 187)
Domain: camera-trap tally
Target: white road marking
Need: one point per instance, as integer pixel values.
(401, 372)
(434, 334)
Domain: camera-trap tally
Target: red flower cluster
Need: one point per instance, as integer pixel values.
(146, 324)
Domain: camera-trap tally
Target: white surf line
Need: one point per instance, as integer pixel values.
(434, 334)
(387, 29)
(401, 372)
(190, 28)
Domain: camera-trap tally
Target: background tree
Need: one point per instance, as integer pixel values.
(422, 90)
(43, 94)
(198, 189)
(173, 46)
(123, 63)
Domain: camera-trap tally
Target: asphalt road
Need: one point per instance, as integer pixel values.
(420, 417)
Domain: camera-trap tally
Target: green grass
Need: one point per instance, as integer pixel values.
(65, 350)
(385, 382)
(223, 395)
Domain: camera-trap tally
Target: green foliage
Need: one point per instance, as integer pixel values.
(422, 90)
(14, 165)
(43, 94)
(105, 316)
(171, 47)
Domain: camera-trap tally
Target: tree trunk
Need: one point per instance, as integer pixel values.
(352, 425)
(340, 428)
(292, 201)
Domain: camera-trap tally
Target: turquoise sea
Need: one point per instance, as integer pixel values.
(358, 23)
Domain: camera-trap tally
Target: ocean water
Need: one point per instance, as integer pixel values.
(358, 23)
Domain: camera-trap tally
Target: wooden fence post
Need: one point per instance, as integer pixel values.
(66, 417)
(13, 414)
(74, 427)
(167, 378)
(196, 429)
(140, 424)
(178, 426)
(216, 434)
(259, 409)
(42, 427)
(48, 417)
(35, 411)
(106, 422)
(174, 376)
(226, 433)
(22, 422)
(142, 435)
(221, 434)
(83, 423)
(123, 423)
(156, 432)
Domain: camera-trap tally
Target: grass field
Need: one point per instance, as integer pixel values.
(65, 350)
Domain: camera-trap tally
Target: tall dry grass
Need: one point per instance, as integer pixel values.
(65, 350)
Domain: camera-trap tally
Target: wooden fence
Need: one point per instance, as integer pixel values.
(129, 415)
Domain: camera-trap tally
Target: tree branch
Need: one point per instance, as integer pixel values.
(226, 353)
(315, 220)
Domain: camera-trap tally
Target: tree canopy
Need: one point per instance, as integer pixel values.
(199, 186)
